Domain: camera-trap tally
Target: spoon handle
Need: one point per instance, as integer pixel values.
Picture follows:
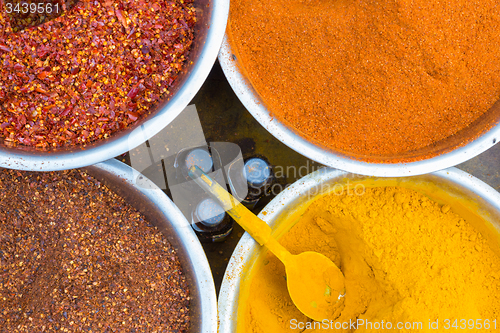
(257, 228)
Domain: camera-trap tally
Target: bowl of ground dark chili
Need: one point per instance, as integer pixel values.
(389, 89)
(101, 78)
(98, 250)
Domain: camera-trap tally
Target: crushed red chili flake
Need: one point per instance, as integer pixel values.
(74, 257)
(94, 70)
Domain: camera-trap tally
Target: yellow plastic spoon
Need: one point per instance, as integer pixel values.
(315, 283)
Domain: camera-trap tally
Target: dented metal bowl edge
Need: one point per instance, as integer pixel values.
(153, 203)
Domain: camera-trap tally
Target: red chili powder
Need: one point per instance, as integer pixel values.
(371, 79)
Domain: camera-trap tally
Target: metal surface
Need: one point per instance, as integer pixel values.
(448, 154)
(161, 212)
(212, 18)
(295, 199)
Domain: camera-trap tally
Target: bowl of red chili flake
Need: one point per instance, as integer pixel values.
(101, 78)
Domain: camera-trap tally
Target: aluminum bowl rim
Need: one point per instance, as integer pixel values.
(49, 161)
(245, 248)
(201, 267)
(255, 105)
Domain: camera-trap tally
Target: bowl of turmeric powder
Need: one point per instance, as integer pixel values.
(417, 253)
(388, 89)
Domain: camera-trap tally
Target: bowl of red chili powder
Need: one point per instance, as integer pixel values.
(97, 249)
(101, 78)
(388, 89)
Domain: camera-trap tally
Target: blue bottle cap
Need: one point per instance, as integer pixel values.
(210, 212)
(257, 171)
(201, 158)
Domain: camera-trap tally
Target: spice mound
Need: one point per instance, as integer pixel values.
(405, 258)
(76, 258)
(372, 79)
(91, 72)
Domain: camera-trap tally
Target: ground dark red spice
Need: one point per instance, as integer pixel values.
(74, 257)
(92, 71)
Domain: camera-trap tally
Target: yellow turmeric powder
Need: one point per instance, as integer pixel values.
(408, 262)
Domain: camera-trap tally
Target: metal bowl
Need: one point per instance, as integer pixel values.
(160, 211)
(209, 30)
(450, 186)
(447, 152)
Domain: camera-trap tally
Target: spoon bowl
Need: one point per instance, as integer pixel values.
(316, 300)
